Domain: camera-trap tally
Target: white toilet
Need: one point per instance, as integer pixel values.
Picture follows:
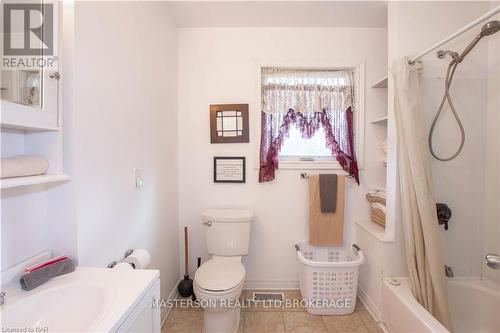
(219, 281)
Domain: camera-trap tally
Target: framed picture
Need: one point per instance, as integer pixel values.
(229, 169)
(229, 123)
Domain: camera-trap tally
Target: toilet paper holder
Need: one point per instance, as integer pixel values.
(114, 262)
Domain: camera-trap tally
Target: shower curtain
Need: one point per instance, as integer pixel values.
(424, 254)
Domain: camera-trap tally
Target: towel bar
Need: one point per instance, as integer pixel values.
(305, 175)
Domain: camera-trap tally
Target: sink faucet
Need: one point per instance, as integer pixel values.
(2, 298)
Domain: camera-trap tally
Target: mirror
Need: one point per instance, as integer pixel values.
(22, 87)
(229, 123)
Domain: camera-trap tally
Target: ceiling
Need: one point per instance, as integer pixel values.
(366, 14)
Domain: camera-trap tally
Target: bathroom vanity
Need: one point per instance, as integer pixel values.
(87, 300)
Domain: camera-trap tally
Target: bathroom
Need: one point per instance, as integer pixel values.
(130, 160)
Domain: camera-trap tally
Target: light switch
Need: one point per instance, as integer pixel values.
(139, 182)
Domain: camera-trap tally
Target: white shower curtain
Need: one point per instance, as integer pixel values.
(423, 246)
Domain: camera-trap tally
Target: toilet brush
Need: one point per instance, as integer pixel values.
(185, 287)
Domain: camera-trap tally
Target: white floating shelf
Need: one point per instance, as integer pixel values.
(32, 180)
(30, 128)
(375, 230)
(382, 120)
(381, 84)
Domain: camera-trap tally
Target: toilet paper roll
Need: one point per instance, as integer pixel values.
(123, 266)
(139, 259)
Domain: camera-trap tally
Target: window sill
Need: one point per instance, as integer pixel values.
(309, 165)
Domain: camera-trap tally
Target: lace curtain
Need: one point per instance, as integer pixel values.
(308, 100)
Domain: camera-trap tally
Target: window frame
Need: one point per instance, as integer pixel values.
(358, 119)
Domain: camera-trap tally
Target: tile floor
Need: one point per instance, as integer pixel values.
(276, 320)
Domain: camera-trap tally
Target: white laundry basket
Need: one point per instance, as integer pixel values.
(328, 277)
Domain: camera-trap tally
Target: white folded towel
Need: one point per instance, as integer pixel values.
(377, 193)
(378, 206)
(23, 165)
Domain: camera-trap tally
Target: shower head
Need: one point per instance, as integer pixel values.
(490, 28)
(487, 30)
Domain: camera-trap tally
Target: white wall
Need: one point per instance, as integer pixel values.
(220, 65)
(125, 116)
(31, 226)
(459, 183)
(119, 112)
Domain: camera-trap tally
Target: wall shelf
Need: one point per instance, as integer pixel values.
(32, 180)
(33, 128)
(382, 121)
(375, 230)
(382, 83)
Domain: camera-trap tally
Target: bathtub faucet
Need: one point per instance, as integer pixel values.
(449, 271)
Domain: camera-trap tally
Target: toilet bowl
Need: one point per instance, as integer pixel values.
(219, 281)
(218, 284)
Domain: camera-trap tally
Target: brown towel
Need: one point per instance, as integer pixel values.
(328, 193)
(325, 228)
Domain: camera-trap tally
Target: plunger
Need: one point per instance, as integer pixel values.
(185, 287)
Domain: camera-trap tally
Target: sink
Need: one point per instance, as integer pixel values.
(67, 307)
(90, 299)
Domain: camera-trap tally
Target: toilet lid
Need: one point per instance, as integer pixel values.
(220, 274)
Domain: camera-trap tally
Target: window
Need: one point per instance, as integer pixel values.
(296, 148)
(307, 117)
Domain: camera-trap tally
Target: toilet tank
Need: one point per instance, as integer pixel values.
(227, 231)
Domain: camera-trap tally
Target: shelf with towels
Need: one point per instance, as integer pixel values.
(32, 180)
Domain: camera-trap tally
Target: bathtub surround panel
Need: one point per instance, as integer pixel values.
(221, 65)
(406, 37)
(466, 184)
(125, 104)
(491, 232)
(462, 242)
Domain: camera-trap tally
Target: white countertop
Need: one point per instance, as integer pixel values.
(88, 299)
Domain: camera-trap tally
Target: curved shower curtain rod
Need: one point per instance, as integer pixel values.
(477, 21)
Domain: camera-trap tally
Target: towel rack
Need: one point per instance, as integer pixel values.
(305, 175)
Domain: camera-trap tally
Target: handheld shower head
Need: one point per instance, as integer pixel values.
(490, 28)
(487, 30)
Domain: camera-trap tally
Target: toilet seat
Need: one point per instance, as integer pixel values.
(220, 275)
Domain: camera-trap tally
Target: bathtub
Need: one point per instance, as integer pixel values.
(474, 307)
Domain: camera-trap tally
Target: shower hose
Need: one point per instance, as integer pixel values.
(447, 97)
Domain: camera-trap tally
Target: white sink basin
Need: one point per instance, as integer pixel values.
(70, 307)
(86, 300)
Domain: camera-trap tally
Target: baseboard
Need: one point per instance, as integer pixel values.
(272, 284)
(174, 294)
(369, 304)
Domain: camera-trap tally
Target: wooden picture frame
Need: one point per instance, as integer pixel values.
(234, 115)
(229, 169)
